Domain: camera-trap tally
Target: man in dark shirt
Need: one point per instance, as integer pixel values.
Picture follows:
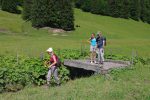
(100, 46)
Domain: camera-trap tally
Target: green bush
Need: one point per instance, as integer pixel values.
(17, 72)
(14, 76)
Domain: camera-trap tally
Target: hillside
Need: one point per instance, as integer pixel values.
(123, 35)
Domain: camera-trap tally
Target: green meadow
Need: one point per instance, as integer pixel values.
(128, 84)
(123, 35)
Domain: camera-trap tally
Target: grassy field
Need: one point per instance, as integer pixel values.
(129, 84)
(123, 35)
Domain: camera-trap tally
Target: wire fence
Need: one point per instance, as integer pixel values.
(84, 49)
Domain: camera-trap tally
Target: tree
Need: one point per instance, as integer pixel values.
(125, 9)
(145, 11)
(114, 8)
(52, 13)
(135, 9)
(86, 6)
(79, 3)
(27, 6)
(99, 7)
(66, 15)
(0, 3)
(10, 6)
(39, 13)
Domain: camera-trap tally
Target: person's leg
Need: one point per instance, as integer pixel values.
(91, 57)
(99, 55)
(91, 53)
(56, 76)
(94, 54)
(94, 57)
(103, 55)
(49, 76)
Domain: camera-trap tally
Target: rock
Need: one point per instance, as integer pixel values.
(55, 34)
(45, 28)
(64, 35)
(55, 30)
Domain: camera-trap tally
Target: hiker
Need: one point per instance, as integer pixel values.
(52, 67)
(101, 42)
(93, 43)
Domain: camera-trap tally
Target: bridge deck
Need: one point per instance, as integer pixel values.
(85, 64)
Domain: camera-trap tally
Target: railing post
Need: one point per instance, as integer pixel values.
(17, 58)
(41, 56)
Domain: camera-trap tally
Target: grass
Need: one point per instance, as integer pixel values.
(123, 35)
(127, 84)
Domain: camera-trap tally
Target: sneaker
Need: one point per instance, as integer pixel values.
(91, 62)
(102, 63)
(95, 62)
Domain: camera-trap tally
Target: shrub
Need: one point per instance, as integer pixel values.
(15, 73)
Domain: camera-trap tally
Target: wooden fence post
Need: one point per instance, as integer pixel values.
(17, 58)
(42, 56)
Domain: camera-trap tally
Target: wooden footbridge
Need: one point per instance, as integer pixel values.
(97, 68)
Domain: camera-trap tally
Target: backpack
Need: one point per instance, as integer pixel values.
(58, 64)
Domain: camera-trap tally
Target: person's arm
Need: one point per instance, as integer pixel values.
(97, 42)
(103, 42)
(54, 57)
(89, 40)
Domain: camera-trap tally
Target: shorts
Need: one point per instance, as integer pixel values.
(92, 48)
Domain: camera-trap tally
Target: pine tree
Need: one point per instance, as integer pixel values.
(135, 9)
(99, 7)
(114, 9)
(10, 6)
(125, 9)
(27, 6)
(0, 3)
(66, 15)
(39, 13)
(145, 11)
(53, 13)
(79, 3)
(86, 5)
